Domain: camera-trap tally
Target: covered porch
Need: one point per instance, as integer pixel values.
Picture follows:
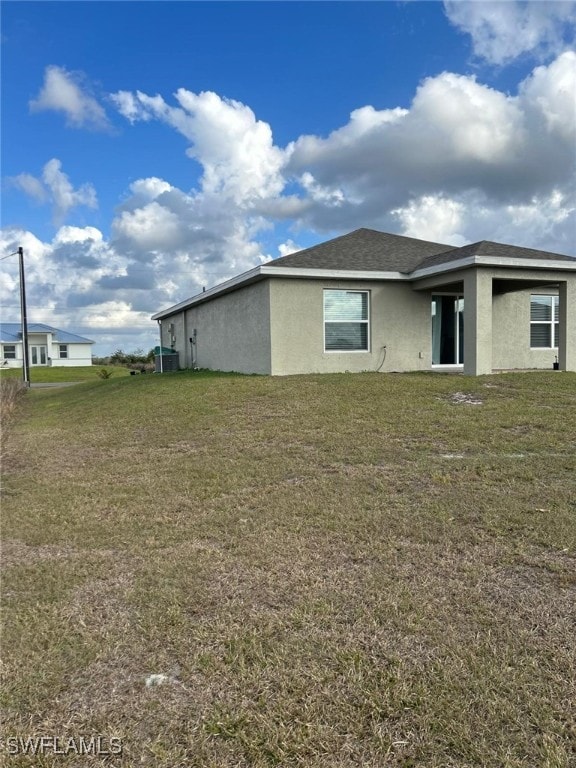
(493, 318)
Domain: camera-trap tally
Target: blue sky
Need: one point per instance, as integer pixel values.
(152, 148)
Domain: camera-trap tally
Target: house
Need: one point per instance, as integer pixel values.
(46, 346)
(372, 301)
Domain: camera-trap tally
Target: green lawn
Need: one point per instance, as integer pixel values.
(331, 571)
(49, 374)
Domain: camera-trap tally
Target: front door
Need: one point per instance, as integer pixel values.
(447, 329)
(38, 355)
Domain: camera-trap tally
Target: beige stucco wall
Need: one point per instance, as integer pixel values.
(232, 331)
(399, 319)
(277, 325)
(508, 314)
(511, 332)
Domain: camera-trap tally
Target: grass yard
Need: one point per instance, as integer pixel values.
(328, 571)
(52, 374)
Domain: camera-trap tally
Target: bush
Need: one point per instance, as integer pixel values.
(132, 358)
(104, 373)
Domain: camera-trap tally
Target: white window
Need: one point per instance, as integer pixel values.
(10, 351)
(63, 350)
(544, 325)
(346, 321)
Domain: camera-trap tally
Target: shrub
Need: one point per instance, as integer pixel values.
(104, 373)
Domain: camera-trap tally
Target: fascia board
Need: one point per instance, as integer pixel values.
(448, 266)
(493, 261)
(267, 271)
(228, 285)
(338, 274)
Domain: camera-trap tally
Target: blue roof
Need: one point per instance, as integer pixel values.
(11, 333)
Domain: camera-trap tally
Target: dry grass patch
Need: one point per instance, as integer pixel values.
(11, 394)
(317, 583)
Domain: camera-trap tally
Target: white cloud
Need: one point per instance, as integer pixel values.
(113, 314)
(64, 196)
(285, 249)
(55, 188)
(66, 92)
(150, 227)
(551, 92)
(433, 217)
(463, 120)
(502, 31)
(31, 186)
(459, 137)
(546, 222)
(235, 150)
(146, 190)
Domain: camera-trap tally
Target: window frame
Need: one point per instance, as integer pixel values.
(9, 355)
(355, 322)
(64, 356)
(553, 324)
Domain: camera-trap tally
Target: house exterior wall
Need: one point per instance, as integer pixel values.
(511, 332)
(399, 319)
(508, 345)
(9, 362)
(78, 354)
(276, 326)
(232, 331)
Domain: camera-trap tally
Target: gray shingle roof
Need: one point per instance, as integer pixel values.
(489, 248)
(12, 332)
(364, 249)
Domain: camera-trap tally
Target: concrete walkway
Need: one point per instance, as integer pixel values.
(51, 384)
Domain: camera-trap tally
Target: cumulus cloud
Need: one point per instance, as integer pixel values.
(433, 217)
(459, 137)
(62, 280)
(236, 151)
(66, 92)
(62, 193)
(285, 249)
(502, 31)
(55, 187)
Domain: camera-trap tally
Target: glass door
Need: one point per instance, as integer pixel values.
(447, 329)
(38, 355)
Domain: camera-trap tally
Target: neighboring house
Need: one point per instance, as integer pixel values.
(371, 301)
(46, 346)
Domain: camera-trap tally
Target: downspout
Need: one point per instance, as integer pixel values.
(161, 356)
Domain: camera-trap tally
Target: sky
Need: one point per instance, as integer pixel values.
(150, 149)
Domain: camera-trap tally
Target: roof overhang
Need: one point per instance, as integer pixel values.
(493, 261)
(266, 271)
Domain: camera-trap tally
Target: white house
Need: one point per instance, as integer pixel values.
(46, 345)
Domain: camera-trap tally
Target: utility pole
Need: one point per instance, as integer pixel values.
(25, 350)
(24, 319)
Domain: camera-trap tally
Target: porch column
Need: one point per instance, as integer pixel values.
(567, 318)
(477, 322)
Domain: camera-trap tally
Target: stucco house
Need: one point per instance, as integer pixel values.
(46, 346)
(372, 301)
